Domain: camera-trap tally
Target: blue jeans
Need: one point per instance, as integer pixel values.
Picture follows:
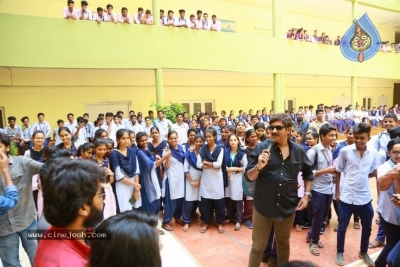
(9, 247)
(393, 258)
(366, 213)
(320, 204)
(30, 145)
(392, 232)
(380, 235)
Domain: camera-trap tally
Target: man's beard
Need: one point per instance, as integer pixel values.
(95, 217)
(300, 119)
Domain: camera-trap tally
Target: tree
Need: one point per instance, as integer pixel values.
(170, 109)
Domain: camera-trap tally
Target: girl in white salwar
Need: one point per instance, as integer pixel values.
(235, 162)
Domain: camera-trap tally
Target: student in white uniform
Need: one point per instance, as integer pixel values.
(110, 16)
(80, 133)
(84, 13)
(169, 20)
(71, 123)
(235, 162)
(206, 22)
(138, 17)
(215, 25)
(181, 128)
(182, 22)
(210, 160)
(192, 22)
(173, 183)
(110, 127)
(56, 136)
(99, 17)
(199, 20)
(42, 125)
(193, 178)
(134, 126)
(148, 18)
(70, 12)
(124, 17)
(162, 124)
(124, 164)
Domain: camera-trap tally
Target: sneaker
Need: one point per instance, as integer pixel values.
(248, 224)
(366, 259)
(335, 229)
(306, 225)
(314, 249)
(339, 259)
(323, 229)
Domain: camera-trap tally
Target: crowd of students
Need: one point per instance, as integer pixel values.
(201, 22)
(172, 169)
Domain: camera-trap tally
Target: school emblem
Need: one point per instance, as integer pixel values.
(361, 41)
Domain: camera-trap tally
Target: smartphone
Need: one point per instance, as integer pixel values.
(392, 195)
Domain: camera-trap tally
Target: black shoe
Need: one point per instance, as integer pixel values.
(322, 230)
(306, 225)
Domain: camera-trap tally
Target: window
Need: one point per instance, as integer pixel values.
(192, 106)
(289, 104)
(367, 102)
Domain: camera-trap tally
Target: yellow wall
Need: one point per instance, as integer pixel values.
(58, 92)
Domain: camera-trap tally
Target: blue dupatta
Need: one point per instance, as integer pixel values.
(146, 163)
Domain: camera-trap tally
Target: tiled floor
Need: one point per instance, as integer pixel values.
(232, 248)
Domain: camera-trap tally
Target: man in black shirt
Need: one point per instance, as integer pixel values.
(275, 196)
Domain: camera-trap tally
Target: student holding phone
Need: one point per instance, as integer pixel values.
(389, 186)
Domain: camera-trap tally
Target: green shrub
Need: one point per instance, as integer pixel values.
(170, 110)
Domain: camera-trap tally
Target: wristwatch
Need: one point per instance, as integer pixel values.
(307, 194)
(257, 169)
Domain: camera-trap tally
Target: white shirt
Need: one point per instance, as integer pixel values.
(96, 17)
(355, 189)
(81, 138)
(216, 26)
(199, 23)
(182, 21)
(135, 127)
(42, 126)
(113, 132)
(163, 127)
(206, 24)
(168, 20)
(182, 132)
(67, 12)
(149, 20)
(87, 15)
(137, 18)
(108, 17)
(71, 126)
(121, 19)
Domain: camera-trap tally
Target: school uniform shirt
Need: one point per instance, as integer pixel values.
(206, 24)
(163, 127)
(216, 26)
(149, 19)
(113, 132)
(137, 18)
(13, 132)
(168, 20)
(67, 252)
(86, 16)
(380, 144)
(57, 139)
(181, 131)
(317, 124)
(176, 178)
(96, 17)
(109, 17)
(71, 126)
(234, 190)
(212, 181)
(90, 130)
(121, 19)
(82, 136)
(389, 212)
(307, 116)
(135, 127)
(67, 12)
(199, 23)
(182, 21)
(191, 192)
(355, 189)
(125, 122)
(41, 126)
(25, 133)
(324, 183)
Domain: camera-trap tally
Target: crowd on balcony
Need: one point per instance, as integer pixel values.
(302, 35)
(201, 22)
